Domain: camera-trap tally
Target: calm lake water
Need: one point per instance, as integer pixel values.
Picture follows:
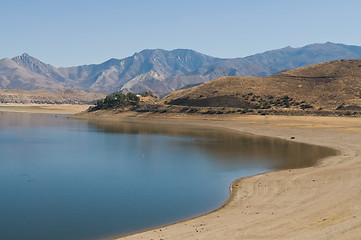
(65, 179)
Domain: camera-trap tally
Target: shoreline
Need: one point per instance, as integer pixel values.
(43, 108)
(319, 202)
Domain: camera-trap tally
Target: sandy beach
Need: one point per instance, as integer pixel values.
(43, 108)
(320, 202)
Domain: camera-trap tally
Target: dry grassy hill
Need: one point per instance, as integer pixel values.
(333, 85)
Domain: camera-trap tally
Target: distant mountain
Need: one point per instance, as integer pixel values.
(36, 66)
(14, 76)
(146, 70)
(271, 62)
(163, 71)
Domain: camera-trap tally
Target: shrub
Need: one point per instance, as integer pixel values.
(148, 93)
(340, 107)
(117, 100)
(210, 112)
(184, 109)
(305, 106)
(193, 110)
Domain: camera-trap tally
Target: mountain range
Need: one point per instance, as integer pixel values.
(163, 71)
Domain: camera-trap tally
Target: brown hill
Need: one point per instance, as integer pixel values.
(332, 85)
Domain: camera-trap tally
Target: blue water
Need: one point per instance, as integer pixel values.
(64, 179)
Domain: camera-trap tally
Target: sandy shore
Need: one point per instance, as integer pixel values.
(43, 108)
(320, 202)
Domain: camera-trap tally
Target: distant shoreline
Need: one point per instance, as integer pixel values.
(43, 108)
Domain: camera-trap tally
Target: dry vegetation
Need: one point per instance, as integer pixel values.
(322, 89)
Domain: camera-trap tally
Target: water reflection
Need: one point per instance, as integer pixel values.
(14, 119)
(228, 146)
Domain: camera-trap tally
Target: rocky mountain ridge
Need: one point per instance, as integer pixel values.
(162, 71)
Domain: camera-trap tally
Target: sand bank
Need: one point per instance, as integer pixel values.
(320, 202)
(43, 108)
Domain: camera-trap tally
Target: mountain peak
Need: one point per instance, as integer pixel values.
(24, 55)
(35, 65)
(24, 58)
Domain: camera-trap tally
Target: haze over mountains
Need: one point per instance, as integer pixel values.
(163, 71)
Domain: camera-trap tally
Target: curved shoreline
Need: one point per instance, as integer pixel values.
(319, 202)
(230, 220)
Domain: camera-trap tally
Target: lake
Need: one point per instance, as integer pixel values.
(68, 179)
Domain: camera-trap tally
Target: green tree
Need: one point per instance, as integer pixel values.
(117, 100)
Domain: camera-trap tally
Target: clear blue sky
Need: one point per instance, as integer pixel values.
(76, 32)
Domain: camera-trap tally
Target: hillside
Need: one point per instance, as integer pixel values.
(163, 71)
(333, 85)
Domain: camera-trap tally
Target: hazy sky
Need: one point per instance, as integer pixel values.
(76, 32)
